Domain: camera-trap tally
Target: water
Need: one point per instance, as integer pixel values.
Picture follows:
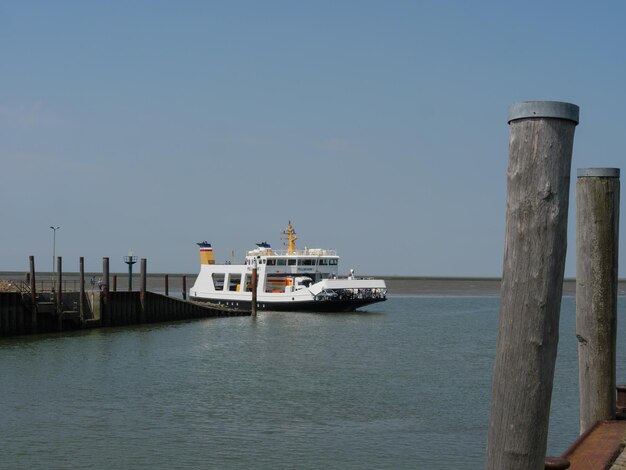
(405, 384)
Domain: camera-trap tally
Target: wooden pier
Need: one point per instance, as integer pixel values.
(19, 316)
(26, 311)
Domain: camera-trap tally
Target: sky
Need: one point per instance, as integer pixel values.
(377, 128)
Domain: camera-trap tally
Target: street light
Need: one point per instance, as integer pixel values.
(130, 260)
(54, 248)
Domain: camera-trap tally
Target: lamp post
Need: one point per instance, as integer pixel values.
(54, 247)
(130, 260)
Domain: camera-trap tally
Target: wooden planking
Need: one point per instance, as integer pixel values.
(597, 448)
(125, 308)
(15, 318)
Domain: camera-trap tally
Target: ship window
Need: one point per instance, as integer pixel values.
(218, 281)
(323, 262)
(291, 262)
(281, 262)
(333, 261)
(306, 262)
(271, 262)
(234, 282)
(247, 280)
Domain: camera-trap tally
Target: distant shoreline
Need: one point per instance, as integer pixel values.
(396, 285)
(18, 274)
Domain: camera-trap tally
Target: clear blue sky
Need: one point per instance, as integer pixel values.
(378, 128)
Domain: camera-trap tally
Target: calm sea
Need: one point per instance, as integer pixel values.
(403, 384)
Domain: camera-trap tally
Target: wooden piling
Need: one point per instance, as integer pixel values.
(184, 287)
(114, 289)
(142, 292)
(540, 151)
(12, 314)
(59, 293)
(81, 294)
(597, 235)
(59, 283)
(254, 287)
(105, 313)
(33, 296)
(167, 285)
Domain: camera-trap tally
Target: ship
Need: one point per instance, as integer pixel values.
(291, 280)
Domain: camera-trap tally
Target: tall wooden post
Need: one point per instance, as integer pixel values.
(184, 287)
(167, 285)
(114, 283)
(540, 151)
(59, 292)
(597, 235)
(33, 295)
(254, 287)
(105, 313)
(142, 293)
(81, 295)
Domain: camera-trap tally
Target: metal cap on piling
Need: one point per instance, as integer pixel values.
(544, 109)
(598, 172)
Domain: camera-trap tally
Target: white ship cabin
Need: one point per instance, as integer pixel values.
(282, 271)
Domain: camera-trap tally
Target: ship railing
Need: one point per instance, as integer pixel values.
(47, 285)
(357, 278)
(312, 252)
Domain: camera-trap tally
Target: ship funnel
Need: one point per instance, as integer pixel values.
(206, 253)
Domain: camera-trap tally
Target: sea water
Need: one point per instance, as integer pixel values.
(402, 384)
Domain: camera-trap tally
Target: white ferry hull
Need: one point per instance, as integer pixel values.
(326, 306)
(328, 295)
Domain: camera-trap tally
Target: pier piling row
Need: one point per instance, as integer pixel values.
(28, 311)
(540, 152)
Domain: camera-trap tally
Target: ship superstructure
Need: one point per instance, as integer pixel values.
(288, 280)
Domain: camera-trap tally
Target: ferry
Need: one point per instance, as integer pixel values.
(287, 280)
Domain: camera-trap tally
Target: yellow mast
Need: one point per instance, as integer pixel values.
(291, 239)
